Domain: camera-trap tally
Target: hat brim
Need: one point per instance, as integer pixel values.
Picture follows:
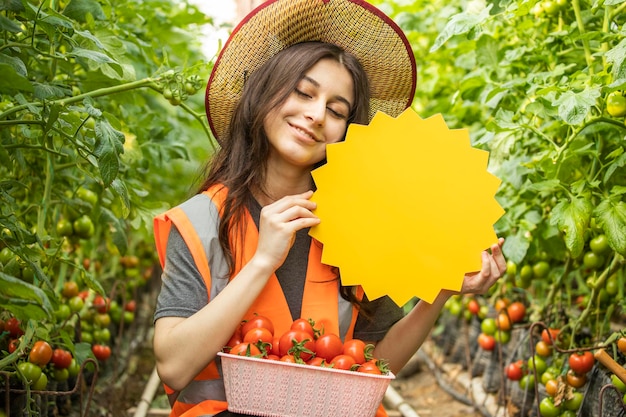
(354, 25)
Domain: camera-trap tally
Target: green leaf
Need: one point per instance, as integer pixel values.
(515, 246)
(122, 192)
(78, 10)
(9, 25)
(612, 214)
(572, 218)
(49, 91)
(574, 107)
(92, 55)
(12, 5)
(12, 81)
(24, 299)
(619, 162)
(16, 63)
(617, 57)
(109, 145)
(459, 24)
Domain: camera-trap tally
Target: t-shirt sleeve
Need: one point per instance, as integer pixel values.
(183, 291)
(383, 313)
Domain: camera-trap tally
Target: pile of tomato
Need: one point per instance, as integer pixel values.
(303, 343)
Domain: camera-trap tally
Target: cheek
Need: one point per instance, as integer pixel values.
(336, 132)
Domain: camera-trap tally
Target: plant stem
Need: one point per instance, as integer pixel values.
(146, 82)
(581, 29)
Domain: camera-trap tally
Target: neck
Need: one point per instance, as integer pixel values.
(281, 183)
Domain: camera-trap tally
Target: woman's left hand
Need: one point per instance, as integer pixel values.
(493, 267)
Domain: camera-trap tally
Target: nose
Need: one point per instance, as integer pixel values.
(316, 111)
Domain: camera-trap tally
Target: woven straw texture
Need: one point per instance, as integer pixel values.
(266, 388)
(354, 25)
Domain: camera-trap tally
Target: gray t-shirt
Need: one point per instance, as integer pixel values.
(183, 291)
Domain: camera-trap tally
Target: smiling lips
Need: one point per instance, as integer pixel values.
(305, 132)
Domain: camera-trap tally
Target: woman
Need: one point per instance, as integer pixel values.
(241, 246)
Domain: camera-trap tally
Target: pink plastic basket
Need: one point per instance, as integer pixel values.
(268, 388)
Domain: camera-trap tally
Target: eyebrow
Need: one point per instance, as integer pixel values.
(338, 98)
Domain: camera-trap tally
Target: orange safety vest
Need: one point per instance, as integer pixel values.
(320, 300)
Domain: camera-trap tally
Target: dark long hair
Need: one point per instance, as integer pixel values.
(240, 164)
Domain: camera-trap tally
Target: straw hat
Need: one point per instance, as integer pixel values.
(354, 25)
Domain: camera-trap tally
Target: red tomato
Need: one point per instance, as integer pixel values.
(258, 334)
(343, 361)
(304, 325)
(516, 311)
(486, 341)
(515, 370)
(575, 380)
(275, 347)
(61, 358)
(101, 352)
(550, 335)
(272, 357)
(41, 353)
(101, 304)
(317, 361)
(12, 326)
(13, 344)
(245, 349)
(327, 346)
(257, 321)
(581, 362)
(370, 367)
(298, 343)
(288, 358)
(356, 349)
(473, 306)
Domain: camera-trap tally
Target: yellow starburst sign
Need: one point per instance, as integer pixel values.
(406, 207)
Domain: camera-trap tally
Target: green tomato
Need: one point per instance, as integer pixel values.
(503, 337)
(539, 364)
(488, 326)
(83, 226)
(599, 244)
(30, 371)
(574, 402)
(60, 374)
(616, 104)
(592, 260)
(548, 409)
(618, 383)
(64, 228)
(541, 269)
(74, 368)
(76, 304)
(63, 313)
(41, 383)
(527, 382)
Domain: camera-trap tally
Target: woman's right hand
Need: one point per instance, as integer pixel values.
(278, 226)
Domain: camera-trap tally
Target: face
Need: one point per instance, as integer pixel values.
(314, 115)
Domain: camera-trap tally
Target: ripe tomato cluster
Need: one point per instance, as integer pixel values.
(303, 343)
